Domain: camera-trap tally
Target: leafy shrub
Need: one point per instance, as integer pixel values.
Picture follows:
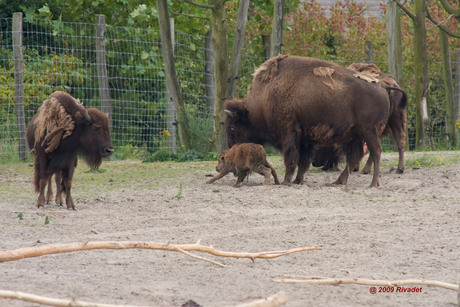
(161, 155)
(191, 155)
(211, 156)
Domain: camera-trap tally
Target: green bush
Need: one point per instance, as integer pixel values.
(191, 155)
(161, 155)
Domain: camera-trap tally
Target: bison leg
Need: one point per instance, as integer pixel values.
(264, 171)
(59, 188)
(367, 168)
(41, 196)
(375, 152)
(304, 164)
(291, 158)
(224, 172)
(273, 172)
(354, 154)
(399, 136)
(241, 176)
(67, 175)
(49, 192)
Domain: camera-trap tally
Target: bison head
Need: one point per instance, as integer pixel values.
(237, 125)
(95, 140)
(221, 161)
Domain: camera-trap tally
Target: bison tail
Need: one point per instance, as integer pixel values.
(403, 103)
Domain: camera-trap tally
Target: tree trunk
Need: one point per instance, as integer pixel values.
(393, 27)
(449, 91)
(394, 49)
(422, 121)
(171, 77)
(219, 52)
(277, 28)
(237, 47)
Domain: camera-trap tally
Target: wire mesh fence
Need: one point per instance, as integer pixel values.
(63, 56)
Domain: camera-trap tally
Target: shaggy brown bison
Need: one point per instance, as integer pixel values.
(60, 130)
(242, 159)
(329, 157)
(296, 103)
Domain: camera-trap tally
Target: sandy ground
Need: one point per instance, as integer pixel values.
(408, 228)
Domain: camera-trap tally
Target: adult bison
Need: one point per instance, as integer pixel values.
(60, 130)
(296, 103)
(329, 157)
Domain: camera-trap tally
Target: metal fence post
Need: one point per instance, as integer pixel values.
(19, 84)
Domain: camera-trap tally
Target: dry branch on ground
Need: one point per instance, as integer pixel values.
(28, 252)
(363, 281)
(275, 300)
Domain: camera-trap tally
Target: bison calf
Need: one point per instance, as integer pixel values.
(242, 159)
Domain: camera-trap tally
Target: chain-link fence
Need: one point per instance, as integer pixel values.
(67, 56)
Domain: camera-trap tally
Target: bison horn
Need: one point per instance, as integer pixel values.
(88, 118)
(229, 113)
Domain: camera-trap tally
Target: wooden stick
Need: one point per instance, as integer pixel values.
(27, 297)
(275, 300)
(28, 252)
(362, 281)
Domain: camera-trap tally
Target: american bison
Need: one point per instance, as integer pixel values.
(296, 103)
(329, 157)
(60, 130)
(242, 159)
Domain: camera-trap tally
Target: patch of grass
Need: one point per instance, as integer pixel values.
(427, 159)
(179, 194)
(129, 151)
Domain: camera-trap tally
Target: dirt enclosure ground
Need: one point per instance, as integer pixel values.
(408, 228)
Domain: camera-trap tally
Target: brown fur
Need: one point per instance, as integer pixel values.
(292, 108)
(243, 159)
(60, 130)
(329, 157)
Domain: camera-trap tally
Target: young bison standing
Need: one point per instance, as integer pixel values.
(242, 159)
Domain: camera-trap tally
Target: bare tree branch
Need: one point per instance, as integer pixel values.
(205, 6)
(440, 26)
(449, 8)
(187, 15)
(402, 7)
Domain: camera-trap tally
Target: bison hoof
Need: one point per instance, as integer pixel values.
(400, 171)
(49, 202)
(337, 182)
(72, 209)
(59, 205)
